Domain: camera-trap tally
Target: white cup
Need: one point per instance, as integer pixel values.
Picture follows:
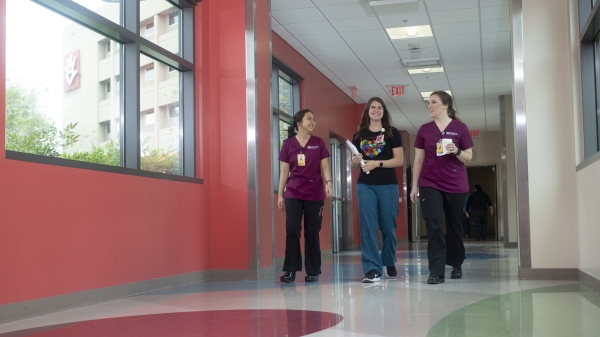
(445, 141)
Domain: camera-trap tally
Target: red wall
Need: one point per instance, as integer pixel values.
(65, 230)
(335, 112)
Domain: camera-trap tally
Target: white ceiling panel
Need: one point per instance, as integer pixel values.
(397, 71)
(330, 50)
(310, 28)
(498, 37)
(356, 25)
(444, 5)
(372, 47)
(399, 8)
(496, 65)
(457, 58)
(461, 66)
(336, 2)
(462, 28)
(341, 58)
(493, 3)
(497, 56)
(365, 87)
(274, 22)
(358, 81)
(352, 74)
(353, 11)
(298, 16)
(495, 47)
(281, 5)
(462, 49)
(352, 66)
(393, 80)
(423, 53)
(492, 26)
(455, 16)
(464, 74)
(467, 80)
(429, 77)
(498, 72)
(385, 57)
(365, 36)
(495, 13)
(281, 31)
(459, 40)
(320, 40)
(412, 19)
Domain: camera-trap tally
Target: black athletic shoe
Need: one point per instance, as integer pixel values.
(434, 279)
(391, 272)
(371, 276)
(311, 278)
(456, 273)
(288, 276)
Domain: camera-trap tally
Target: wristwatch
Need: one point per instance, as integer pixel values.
(381, 163)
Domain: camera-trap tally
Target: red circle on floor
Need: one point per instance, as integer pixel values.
(221, 323)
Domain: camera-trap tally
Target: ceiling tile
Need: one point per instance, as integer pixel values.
(353, 11)
(493, 3)
(498, 37)
(282, 32)
(456, 40)
(274, 22)
(298, 16)
(365, 36)
(495, 13)
(444, 5)
(320, 40)
(281, 5)
(455, 16)
(424, 42)
(310, 28)
(335, 2)
(340, 58)
(461, 66)
(493, 26)
(375, 48)
(497, 56)
(461, 28)
(356, 25)
(399, 8)
(498, 72)
(423, 53)
(385, 57)
(467, 80)
(464, 74)
(330, 50)
(342, 75)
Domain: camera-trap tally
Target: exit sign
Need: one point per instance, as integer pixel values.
(397, 90)
(475, 133)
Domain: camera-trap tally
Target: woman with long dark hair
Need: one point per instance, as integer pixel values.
(442, 148)
(380, 146)
(304, 160)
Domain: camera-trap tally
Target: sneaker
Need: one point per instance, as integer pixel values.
(371, 276)
(434, 279)
(391, 272)
(456, 273)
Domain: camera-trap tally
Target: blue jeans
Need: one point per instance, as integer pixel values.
(377, 207)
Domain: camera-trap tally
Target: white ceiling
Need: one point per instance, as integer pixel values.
(347, 41)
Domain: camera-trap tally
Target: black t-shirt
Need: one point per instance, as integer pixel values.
(374, 149)
(479, 201)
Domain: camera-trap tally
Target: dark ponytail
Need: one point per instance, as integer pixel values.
(298, 116)
(447, 100)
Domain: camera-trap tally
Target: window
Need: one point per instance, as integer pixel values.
(149, 29)
(590, 77)
(77, 120)
(285, 91)
(149, 73)
(174, 18)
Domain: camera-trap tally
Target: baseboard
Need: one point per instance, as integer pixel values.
(246, 274)
(548, 274)
(511, 245)
(589, 281)
(26, 309)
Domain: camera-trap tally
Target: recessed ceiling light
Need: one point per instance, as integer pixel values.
(409, 32)
(426, 70)
(389, 2)
(426, 94)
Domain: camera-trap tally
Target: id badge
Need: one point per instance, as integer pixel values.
(438, 148)
(301, 160)
(379, 139)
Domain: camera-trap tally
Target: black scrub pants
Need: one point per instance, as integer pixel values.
(449, 250)
(312, 210)
(480, 223)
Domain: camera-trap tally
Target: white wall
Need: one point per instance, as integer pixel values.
(550, 134)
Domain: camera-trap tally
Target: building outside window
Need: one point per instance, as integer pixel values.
(71, 91)
(590, 76)
(285, 92)
(173, 18)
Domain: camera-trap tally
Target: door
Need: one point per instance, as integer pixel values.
(339, 210)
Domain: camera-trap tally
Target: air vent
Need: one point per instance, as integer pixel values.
(429, 62)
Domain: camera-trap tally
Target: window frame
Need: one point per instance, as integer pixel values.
(281, 70)
(134, 43)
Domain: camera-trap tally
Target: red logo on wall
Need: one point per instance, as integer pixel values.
(397, 90)
(71, 70)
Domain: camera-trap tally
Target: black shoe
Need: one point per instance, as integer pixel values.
(456, 273)
(288, 276)
(478, 239)
(371, 277)
(311, 278)
(391, 272)
(484, 239)
(434, 279)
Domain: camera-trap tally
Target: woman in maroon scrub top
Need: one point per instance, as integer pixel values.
(304, 158)
(442, 148)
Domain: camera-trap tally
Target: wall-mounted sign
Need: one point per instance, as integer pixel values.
(475, 133)
(397, 90)
(72, 71)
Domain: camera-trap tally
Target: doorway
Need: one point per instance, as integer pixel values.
(486, 177)
(341, 201)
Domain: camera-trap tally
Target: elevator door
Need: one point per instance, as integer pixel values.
(340, 235)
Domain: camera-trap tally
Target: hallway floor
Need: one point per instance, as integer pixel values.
(488, 301)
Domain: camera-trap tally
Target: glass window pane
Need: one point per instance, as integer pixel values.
(283, 131)
(285, 96)
(159, 117)
(67, 105)
(110, 9)
(160, 23)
